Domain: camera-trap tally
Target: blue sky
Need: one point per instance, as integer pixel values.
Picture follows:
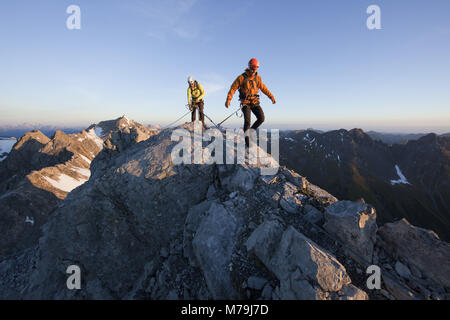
(325, 68)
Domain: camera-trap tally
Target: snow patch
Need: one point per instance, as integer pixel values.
(65, 183)
(99, 132)
(309, 140)
(83, 171)
(289, 139)
(86, 158)
(29, 220)
(93, 136)
(402, 179)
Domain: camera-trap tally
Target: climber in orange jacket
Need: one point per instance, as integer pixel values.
(249, 83)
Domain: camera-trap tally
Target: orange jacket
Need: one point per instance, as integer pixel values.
(248, 88)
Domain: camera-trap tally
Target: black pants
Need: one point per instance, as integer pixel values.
(198, 105)
(257, 111)
(247, 111)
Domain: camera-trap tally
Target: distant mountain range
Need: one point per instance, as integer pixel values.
(409, 180)
(18, 131)
(398, 138)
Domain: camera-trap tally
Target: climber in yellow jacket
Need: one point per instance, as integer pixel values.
(195, 95)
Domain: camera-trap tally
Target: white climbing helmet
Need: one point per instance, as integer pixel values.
(191, 80)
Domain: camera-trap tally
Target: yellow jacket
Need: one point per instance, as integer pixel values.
(196, 94)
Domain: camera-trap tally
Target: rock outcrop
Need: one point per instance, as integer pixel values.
(420, 248)
(39, 173)
(355, 225)
(144, 227)
(305, 270)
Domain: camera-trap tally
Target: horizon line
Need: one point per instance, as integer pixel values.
(282, 127)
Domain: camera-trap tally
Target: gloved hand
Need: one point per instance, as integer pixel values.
(190, 106)
(227, 104)
(273, 100)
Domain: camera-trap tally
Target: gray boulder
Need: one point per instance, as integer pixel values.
(192, 222)
(265, 239)
(419, 247)
(213, 245)
(355, 225)
(304, 269)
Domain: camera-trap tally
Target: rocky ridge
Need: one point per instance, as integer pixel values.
(145, 228)
(39, 172)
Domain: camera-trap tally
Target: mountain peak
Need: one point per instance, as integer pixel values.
(203, 230)
(357, 132)
(59, 134)
(431, 137)
(124, 121)
(35, 135)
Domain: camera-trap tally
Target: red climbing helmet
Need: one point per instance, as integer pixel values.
(253, 64)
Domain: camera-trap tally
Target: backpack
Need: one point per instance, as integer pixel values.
(242, 94)
(195, 88)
